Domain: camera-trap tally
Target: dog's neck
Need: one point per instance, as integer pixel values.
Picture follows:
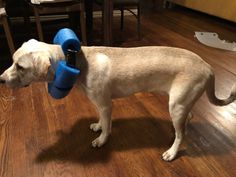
(56, 52)
(57, 55)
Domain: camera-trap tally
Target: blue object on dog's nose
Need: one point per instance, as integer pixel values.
(66, 72)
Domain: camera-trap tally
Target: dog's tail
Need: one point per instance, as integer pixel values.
(210, 90)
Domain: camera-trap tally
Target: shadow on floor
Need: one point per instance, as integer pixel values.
(127, 134)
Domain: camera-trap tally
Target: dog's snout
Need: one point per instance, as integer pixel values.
(2, 80)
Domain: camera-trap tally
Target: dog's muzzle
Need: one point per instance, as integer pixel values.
(65, 71)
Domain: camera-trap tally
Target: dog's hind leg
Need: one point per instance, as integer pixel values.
(182, 97)
(190, 116)
(178, 114)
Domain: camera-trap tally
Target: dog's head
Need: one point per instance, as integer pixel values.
(31, 62)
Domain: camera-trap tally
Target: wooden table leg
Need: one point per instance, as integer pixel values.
(108, 21)
(89, 19)
(38, 24)
(8, 35)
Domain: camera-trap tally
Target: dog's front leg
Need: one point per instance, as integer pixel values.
(104, 123)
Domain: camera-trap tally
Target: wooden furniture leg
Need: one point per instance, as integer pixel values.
(8, 35)
(83, 26)
(107, 21)
(38, 24)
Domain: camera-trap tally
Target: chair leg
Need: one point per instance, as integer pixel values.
(138, 23)
(83, 25)
(137, 16)
(89, 19)
(27, 18)
(38, 24)
(8, 35)
(27, 23)
(122, 19)
(103, 19)
(74, 20)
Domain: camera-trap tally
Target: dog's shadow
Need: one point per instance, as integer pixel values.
(131, 133)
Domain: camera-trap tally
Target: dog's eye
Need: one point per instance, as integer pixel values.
(19, 67)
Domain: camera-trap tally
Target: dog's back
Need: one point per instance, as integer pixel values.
(131, 70)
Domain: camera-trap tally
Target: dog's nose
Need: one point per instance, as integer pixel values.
(2, 81)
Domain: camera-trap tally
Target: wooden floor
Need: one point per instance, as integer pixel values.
(43, 137)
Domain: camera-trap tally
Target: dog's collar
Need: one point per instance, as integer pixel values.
(63, 75)
(71, 60)
(65, 71)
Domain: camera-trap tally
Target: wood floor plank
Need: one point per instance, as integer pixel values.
(6, 99)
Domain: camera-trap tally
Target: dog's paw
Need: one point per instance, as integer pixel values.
(95, 127)
(98, 142)
(169, 155)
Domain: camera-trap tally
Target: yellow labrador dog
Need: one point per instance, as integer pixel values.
(110, 72)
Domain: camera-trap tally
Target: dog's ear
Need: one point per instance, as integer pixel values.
(27, 47)
(24, 63)
(41, 62)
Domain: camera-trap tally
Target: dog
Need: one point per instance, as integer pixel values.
(112, 72)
